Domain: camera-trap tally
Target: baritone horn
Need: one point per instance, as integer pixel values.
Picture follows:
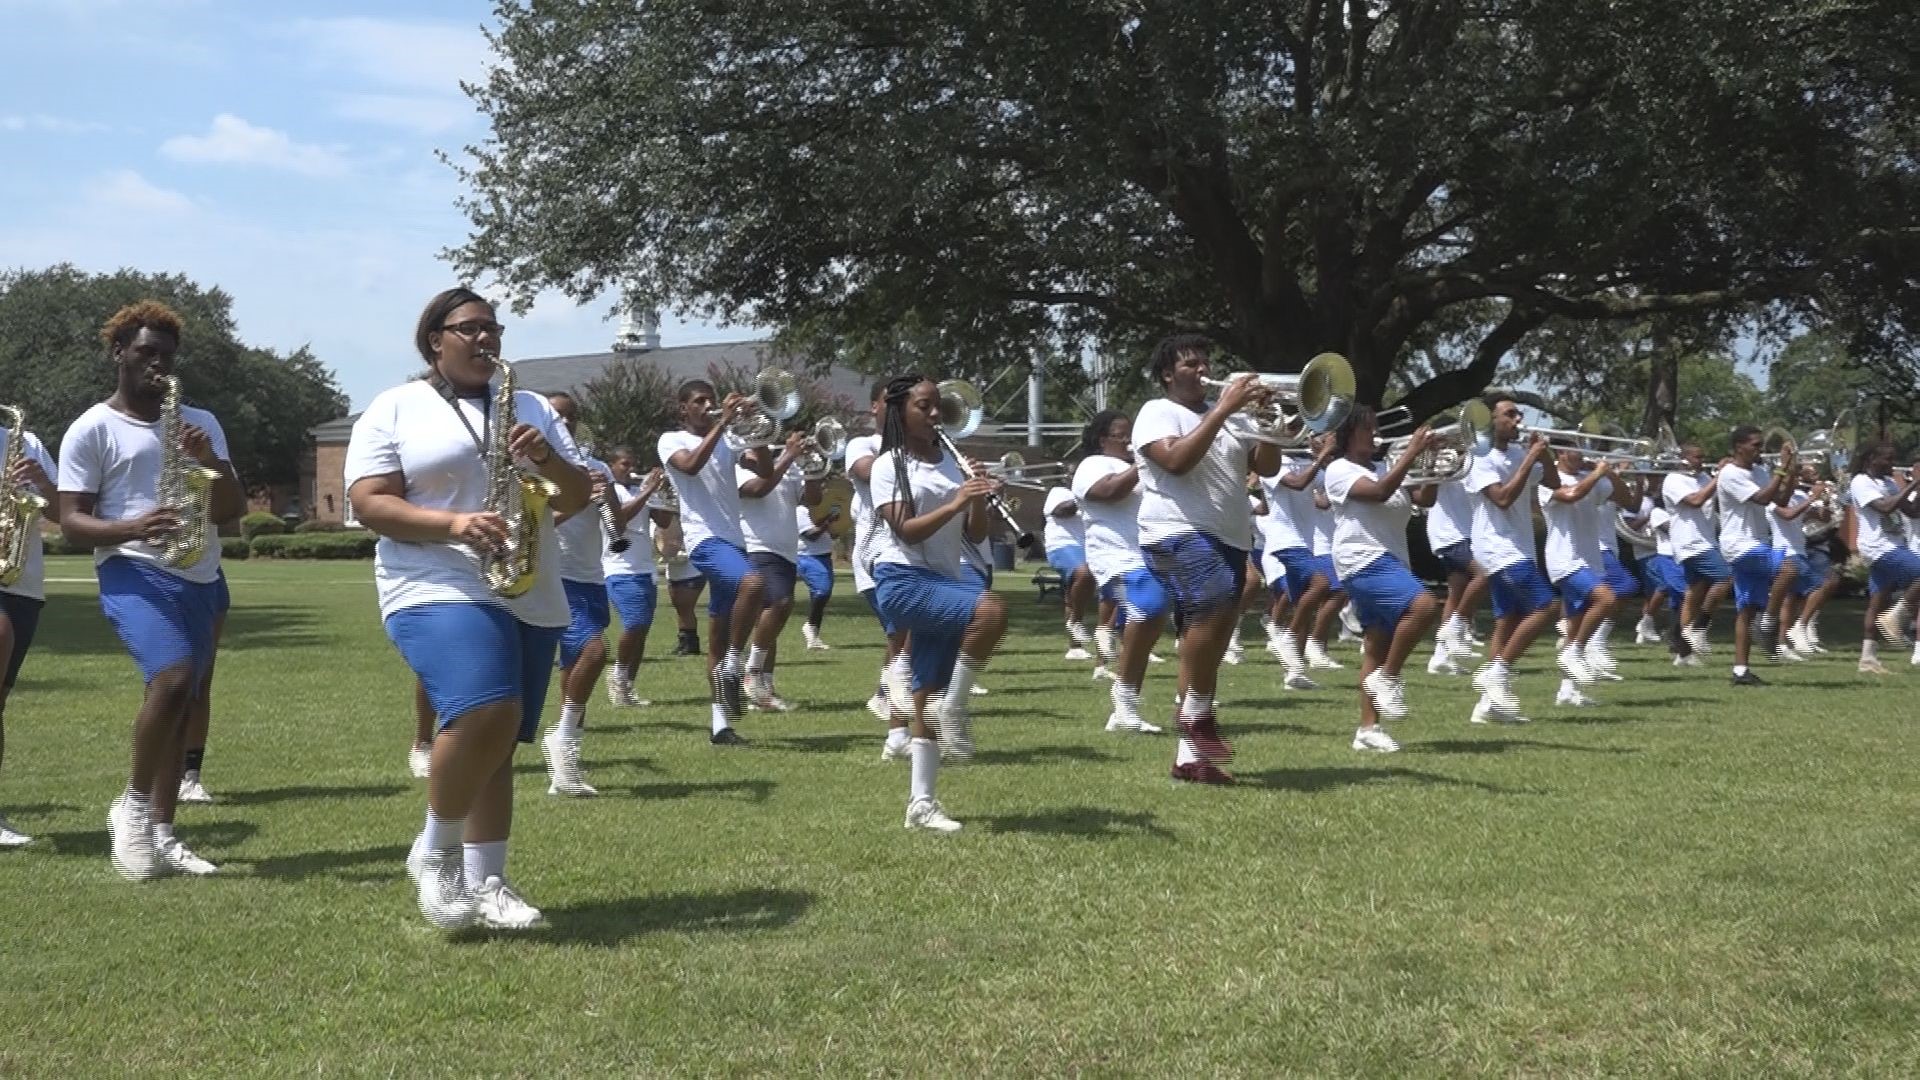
(775, 397)
(824, 445)
(1449, 454)
(961, 414)
(1320, 397)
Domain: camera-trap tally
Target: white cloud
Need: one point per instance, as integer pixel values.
(126, 190)
(425, 114)
(233, 141)
(55, 124)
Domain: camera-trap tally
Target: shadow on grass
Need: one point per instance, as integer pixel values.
(1502, 746)
(1234, 727)
(205, 839)
(609, 923)
(1083, 822)
(755, 791)
(26, 810)
(823, 744)
(1036, 755)
(315, 863)
(298, 792)
(1310, 781)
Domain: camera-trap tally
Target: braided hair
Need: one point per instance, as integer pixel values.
(893, 434)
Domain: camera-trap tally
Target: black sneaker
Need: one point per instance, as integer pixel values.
(726, 736)
(689, 644)
(1748, 678)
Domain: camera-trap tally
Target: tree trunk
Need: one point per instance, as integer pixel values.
(1663, 384)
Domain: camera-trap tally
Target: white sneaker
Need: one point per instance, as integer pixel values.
(420, 762)
(441, 875)
(1786, 655)
(1482, 711)
(1318, 659)
(1601, 663)
(1077, 653)
(616, 690)
(1234, 655)
(928, 814)
(1389, 696)
(192, 791)
(503, 909)
(776, 703)
(1375, 739)
(175, 858)
(1298, 680)
(759, 690)
(1574, 699)
(1697, 637)
(1686, 661)
(977, 690)
(1102, 671)
(955, 730)
(1810, 633)
(896, 751)
(1893, 625)
(1645, 632)
(11, 837)
(1574, 666)
(130, 835)
(877, 705)
(1441, 663)
(812, 638)
(562, 755)
(1494, 684)
(1796, 640)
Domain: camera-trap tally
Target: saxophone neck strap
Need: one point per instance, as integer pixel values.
(452, 398)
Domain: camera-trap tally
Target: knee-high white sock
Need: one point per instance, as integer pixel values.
(484, 861)
(924, 754)
(720, 723)
(572, 715)
(1601, 633)
(1103, 643)
(962, 682)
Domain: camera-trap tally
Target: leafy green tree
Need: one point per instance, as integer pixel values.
(53, 364)
(632, 402)
(1816, 378)
(993, 179)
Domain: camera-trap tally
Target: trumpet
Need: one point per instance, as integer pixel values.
(1321, 395)
(1449, 454)
(825, 445)
(961, 413)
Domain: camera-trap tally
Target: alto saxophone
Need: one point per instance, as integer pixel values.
(520, 498)
(186, 488)
(20, 505)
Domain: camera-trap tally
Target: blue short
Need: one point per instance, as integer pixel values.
(1323, 566)
(1457, 557)
(223, 599)
(817, 572)
(1068, 559)
(981, 574)
(1804, 583)
(1706, 566)
(1203, 573)
(1894, 572)
(1137, 596)
(634, 597)
(1819, 564)
(1619, 578)
(777, 576)
(1382, 592)
(587, 608)
(1661, 573)
(23, 612)
(163, 620)
(471, 655)
(725, 566)
(1752, 580)
(1576, 590)
(872, 597)
(1518, 589)
(1295, 574)
(935, 609)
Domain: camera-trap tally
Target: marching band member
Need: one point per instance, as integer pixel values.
(1822, 578)
(685, 582)
(891, 702)
(111, 476)
(22, 599)
(1639, 520)
(1882, 506)
(1107, 486)
(1333, 597)
(1745, 490)
(1449, 527)
(1288, 532)
(1065, 539)
(1370, 512)
(700, 464)
(418, 470)
(1615, 495)
(931, 510)
(816, 569)
(1194, 528)
(581, 550)
(1793, 576)
(1689, 497)
(630, 573)
(1574, 564)
(1523, 603)
(1666, 579)
(771, 491)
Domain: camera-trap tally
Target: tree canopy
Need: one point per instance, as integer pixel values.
(1006, 179)
(53, 364)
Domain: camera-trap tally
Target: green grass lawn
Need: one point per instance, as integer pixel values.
(1686, 880)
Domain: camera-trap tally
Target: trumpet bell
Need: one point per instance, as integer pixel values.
(830, 437)
(1326, 391)
(961, 409)
(777, 393)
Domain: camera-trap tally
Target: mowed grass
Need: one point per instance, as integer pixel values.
(1686, 880)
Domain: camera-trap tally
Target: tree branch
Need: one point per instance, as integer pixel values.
(1449, 388)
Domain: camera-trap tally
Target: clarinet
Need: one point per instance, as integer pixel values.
(617, 539)
(1023, 540)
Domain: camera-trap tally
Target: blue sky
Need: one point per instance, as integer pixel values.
(284, 152)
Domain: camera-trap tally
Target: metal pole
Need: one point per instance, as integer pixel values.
(1034, 406)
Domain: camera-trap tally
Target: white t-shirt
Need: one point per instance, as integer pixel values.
(710, 498)
(117, 458)
(1691, 527)
(1210, 498)
(1873, 538)
(582, 539)
(1743, 524)
(1573, 528)
(862, 446)
(933, 484)
(1113, 527)
(1500, 537)
(1645, 511)
(1660, 523)
(1322, 520)
(1596, 525)
(767, 522)
(1450, 518)
(637, 560)
(1362, 530)
(32, 582)
(1290, 513)
(1060, 532)
(413, 431)
(819, 545)
(1789, 536)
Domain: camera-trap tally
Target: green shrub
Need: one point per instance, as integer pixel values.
(315, 525)
(234, 547)
(356, 544)
(56, 544)
(261, 523)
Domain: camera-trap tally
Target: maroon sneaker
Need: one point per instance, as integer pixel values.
(1206, 738)
(1202, 772)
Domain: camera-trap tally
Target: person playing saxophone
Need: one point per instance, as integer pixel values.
(26, 494)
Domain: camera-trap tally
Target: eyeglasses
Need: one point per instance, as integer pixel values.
(474, 329)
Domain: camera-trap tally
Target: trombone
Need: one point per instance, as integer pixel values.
(961, 414)
(1013, 471)
(1321, 395)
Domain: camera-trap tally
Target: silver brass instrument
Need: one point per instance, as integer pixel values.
(1319, 397)
(1449, 454)
(1819, 528)
(185, 487)
(20, 505)
(775, 397)
(1637, 537)
(607, 506)
(825, 445)
(961, 413)
(519, 497)
(1013, 471)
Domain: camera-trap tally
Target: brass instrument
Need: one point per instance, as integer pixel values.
(825, 445)
(185, 487)
(775, 397)
(518, 496)
(962, 411)
(1013, 471)
(1321, 395)
(20, 505)
(1450, 453)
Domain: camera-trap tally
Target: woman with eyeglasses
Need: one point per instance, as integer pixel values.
(416, 471)
(1107, 485)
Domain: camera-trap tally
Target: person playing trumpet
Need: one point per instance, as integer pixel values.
(1523, 602)
(1883, 508)
(1794, 579)
(1745, 488)
(772, 492)
(1575, 564)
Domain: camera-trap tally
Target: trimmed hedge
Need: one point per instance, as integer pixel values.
(233, 547)
(323, 545)
(315, 525)
(261, 523)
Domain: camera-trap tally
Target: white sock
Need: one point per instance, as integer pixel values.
(1600, 635)
(139, 800)
(441, 834)
(962, 682)
(1196, 705)
(1567, 688)
(1869, 650)
(1103, 643)
(625, 672)
(1739, 669)
(925, 757)
(162, 832)
(484, 861)
(896, 737)
(1234, 642)
(730, 663)
(756, 660)
(572, 714)
(1453, 627)
(719, 719)
(1185, 754)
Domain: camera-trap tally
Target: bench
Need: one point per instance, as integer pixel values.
(1048, 581)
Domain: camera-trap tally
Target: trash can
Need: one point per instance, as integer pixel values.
(1003, 555)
